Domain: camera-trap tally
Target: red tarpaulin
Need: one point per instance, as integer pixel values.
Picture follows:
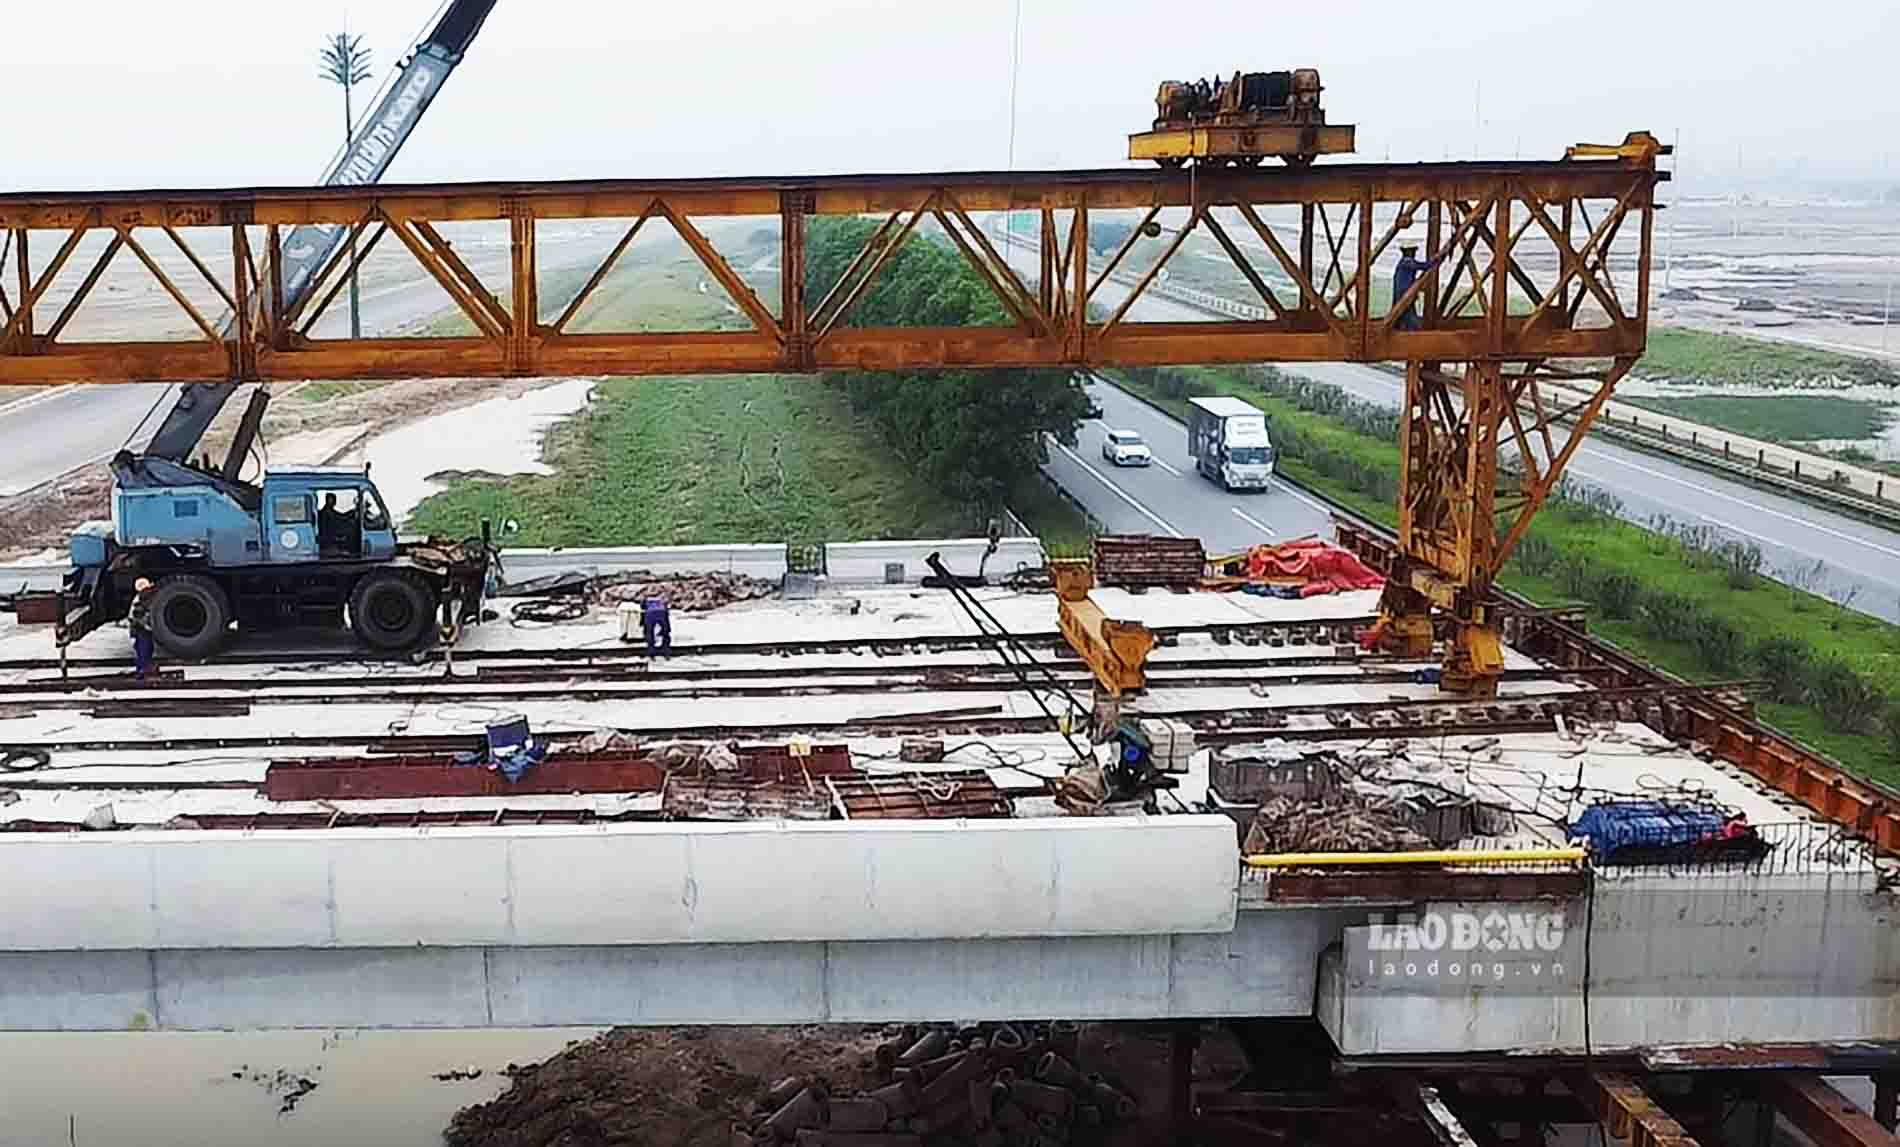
(1323, 568)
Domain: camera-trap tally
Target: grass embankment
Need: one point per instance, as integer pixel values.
(1691, 604)
(657, 461)
(1776, 418)
(682, 460)
(757, 458)
(1710, 356)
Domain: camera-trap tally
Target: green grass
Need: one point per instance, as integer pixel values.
(1064, 530)
(325, 391)
(756, 458)
(684, 460)
(1777, 418)
(1708, 356)
(1768, 608)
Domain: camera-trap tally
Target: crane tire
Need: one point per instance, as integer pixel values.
(392, 609)
(190, 615)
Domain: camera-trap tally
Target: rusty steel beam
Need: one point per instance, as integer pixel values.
(1822, 1113)
(1332, 322)
(1626, 1110)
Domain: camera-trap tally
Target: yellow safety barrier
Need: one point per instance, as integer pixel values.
(1441, 856)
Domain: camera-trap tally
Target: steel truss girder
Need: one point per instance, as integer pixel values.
(1482, 301)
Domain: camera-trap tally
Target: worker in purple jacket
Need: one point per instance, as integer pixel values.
(656, 622)
(1404, 275)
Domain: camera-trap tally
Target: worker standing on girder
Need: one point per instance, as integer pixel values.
(138, 619)
(656, 623)
(1409, 269)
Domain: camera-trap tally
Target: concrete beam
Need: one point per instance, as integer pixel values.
(1822, 1113)
(1265, 967)
(622, 884)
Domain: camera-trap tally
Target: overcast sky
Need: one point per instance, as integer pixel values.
(111, 93)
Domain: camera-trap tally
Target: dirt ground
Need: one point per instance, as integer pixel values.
(661, 1086)
(688, 1086)
(41, 518)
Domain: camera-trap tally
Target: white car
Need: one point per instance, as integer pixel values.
(1125, 448)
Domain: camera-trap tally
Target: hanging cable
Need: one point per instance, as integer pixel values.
(1005, 643)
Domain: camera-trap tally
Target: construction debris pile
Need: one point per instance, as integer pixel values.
(878, 1086)
(678, 1086)
(992, 1084)
(1344, 822)
(689, 593)
(564, 596)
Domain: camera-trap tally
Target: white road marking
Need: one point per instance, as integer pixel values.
(1114, 489)
(31, 400)
(1286, 486)
(1251, 520)
(1166, 467)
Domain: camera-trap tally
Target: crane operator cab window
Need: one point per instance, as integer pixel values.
(340, 522)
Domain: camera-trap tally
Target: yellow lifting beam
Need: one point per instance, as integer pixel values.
(1115, 651)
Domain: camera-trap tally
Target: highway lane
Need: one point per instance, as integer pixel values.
(62, 429)
(1860, 559)
(1170, 497)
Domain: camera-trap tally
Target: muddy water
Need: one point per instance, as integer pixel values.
(222, 1089)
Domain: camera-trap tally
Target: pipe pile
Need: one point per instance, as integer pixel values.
(989, 1085)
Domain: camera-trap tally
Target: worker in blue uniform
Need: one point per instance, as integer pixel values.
(656, 622)
(1409, 269)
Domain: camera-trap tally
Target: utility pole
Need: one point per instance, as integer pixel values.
(345, 62)
(1886, 315)
(1015, 67)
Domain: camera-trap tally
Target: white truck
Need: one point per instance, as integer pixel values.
(1227, 438)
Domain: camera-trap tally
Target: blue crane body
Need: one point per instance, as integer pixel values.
(313, 546)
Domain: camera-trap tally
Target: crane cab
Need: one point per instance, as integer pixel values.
(324, 514)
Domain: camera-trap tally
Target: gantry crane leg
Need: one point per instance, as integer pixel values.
(1461, 512)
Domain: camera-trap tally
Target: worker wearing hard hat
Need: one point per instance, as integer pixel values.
(1409, 269)
(138, 619)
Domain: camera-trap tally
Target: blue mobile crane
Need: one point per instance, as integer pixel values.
(312, 546)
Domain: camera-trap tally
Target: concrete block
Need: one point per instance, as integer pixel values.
(1267, 966)
(1097, 977)
(77, 991)
(399, 890)
(312, 988)
(75, 892)
(659, 984)
(277, 895)
(618, 888)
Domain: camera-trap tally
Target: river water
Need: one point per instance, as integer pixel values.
(221, 1089)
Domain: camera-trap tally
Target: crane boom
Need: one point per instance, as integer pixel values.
(305, 250)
